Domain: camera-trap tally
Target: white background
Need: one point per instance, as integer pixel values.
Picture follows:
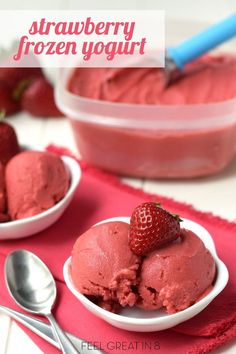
(200, 10)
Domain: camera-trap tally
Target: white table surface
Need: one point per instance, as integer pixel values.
(215, 194)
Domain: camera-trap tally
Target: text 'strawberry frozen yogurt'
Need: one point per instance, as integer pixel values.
(127, 121)
(173, 275)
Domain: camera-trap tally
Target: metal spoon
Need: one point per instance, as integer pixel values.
(33, 287)
(45, 331)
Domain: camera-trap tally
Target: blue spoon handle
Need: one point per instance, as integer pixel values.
(203, 42)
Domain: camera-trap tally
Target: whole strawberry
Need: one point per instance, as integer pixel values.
(152, 227)
(38, 99)
(9, 146)
(8, 104)
(13, 76)
(13, 81)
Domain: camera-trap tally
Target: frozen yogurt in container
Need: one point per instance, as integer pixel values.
(126, 120)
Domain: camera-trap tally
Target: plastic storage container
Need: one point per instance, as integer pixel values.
(151, 140)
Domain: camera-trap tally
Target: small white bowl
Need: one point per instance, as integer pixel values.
(34, 224)
(134, 319)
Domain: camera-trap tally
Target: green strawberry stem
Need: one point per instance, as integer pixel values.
(2, 115)
(20, 88)
(176, 216)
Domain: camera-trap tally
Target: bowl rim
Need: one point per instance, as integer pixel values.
(177, 118)
(61, 86)
(219, 284)
(75, 175)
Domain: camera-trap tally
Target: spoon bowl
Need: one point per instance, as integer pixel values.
(33, 287)
(35, 291)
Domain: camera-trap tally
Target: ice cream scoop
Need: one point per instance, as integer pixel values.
(178, 56)
(29, 226)
(176, 276)
(103, 265)
(35, 182)
(172, 276)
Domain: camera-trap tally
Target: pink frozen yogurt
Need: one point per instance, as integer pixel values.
(35, 181)
(3, 202)
(103, 265)
(210, 79)
(191, 125)
(173, 277)
(176, 276)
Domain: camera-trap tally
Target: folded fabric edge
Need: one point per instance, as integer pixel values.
(172, 203)
(214, 329)
(214, 342)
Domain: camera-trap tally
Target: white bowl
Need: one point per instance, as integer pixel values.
(34, 224)
(134, 319)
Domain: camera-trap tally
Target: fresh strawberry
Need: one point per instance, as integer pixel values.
(152, 227)
(38, 99)
(13, 76)
(8, 142)
(7, 103)
(13, 81)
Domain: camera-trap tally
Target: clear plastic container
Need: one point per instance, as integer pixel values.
(151, 140)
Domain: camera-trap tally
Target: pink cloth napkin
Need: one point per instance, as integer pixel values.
(100, 196)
